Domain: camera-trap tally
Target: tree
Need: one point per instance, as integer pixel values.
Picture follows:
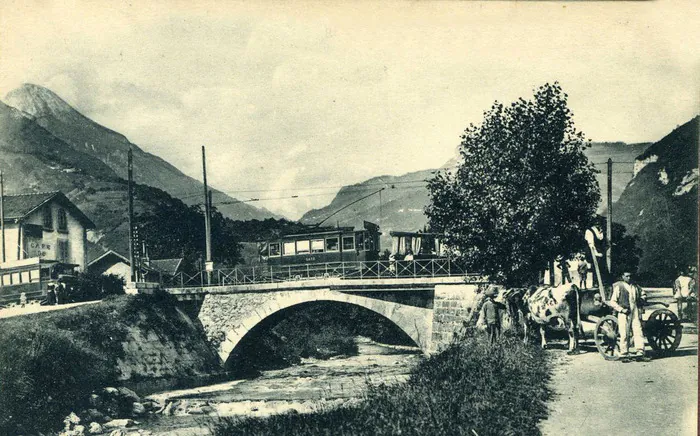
(524, 192)
(174, 230)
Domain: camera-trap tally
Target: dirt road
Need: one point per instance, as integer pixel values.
(597, 397)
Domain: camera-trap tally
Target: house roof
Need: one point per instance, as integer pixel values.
(166, 266)
(17, 207)
(111, 253)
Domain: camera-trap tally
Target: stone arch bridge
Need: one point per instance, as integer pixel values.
(229, 313)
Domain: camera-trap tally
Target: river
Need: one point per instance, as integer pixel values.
(312, 385)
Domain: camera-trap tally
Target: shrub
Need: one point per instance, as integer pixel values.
(43, 375)
(471, 387)
(88, 287)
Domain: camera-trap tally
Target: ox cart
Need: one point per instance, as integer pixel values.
(662, 329)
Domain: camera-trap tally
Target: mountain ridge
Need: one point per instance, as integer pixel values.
(91, 138)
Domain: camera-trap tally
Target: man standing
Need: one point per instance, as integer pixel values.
(683, 291)
(582, 270)
(627, 301)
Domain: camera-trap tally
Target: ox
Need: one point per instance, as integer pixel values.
(557, 307)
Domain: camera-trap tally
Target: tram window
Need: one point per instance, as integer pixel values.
(317, 246)
(303, 247)
(332, 244)
(288, 249)
(360, 241)
(274, 249)
(348, 242)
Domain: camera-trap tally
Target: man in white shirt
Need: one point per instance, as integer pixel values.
(683, 290)
(627, 301)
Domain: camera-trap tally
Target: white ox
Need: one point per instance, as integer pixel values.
(557, 307)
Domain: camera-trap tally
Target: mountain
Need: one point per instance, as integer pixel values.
(622, 155)
(32, 159)
(660, 204)
(405, 197)
(96, 142)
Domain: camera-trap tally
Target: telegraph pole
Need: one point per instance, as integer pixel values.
(608, 233)
(207, 218)
(130, 166)
(2, 215)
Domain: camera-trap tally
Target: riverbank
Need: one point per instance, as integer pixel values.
(472, 387)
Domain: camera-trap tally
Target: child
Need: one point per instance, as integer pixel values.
(492, 314)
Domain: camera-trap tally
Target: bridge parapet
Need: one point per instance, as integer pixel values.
(380, 269)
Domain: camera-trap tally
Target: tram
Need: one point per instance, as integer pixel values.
(323, 245)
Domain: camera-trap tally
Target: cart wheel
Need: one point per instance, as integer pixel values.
(663, 331)
(606, 336)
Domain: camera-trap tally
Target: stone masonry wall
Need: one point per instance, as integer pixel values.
(453, 306)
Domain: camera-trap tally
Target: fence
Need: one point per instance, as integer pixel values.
(381, 269)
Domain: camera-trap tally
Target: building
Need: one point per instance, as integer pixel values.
(152, 270)
(111, 262)
(45, 235)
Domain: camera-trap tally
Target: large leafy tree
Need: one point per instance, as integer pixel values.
(524, 192)
(175, 230)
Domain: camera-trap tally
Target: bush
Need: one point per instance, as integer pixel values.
(89, 287)
(43, 375)
(470, 387)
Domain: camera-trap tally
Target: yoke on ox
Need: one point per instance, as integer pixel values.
(556, 307)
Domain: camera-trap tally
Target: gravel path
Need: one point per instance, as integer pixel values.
(598, 397)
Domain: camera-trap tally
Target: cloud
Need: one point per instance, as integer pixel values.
(312, 95)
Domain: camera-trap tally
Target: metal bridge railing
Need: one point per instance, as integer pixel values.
(380, 269)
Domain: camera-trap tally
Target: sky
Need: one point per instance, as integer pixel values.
(299, 98)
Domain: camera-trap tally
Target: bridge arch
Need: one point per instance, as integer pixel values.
(227, 319)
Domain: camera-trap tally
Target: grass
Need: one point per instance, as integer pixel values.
(471, 388)
(50, 362)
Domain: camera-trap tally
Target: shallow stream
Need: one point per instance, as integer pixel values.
(313, 385)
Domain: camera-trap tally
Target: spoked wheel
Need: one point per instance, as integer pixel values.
(606, 336)
(663, 331)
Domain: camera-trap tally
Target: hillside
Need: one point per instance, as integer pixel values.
(95, 142)
(405, 196)
(34, 160)
(660, 205)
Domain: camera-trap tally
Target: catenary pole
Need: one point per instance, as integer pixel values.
(207, 222)
(130, 170)
(608, 232)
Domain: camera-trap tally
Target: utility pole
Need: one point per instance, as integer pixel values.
(2, 215)
(207, 218)
(608, 233)
(130, 169)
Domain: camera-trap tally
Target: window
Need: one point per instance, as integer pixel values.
(348, 242)
(288, 249)
(63, 251)
(303, 247)
(48, 218)
(274, 249)
(317, 246)
(332, 244)
(62, 220)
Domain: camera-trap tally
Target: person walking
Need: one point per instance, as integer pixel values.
(627, 300)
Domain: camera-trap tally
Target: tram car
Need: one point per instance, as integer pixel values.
(325, 245)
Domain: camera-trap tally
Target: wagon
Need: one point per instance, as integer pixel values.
(663, 329)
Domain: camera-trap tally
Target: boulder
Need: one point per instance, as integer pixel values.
(137, 409)
(94, 428)
(93, 415)
(118, 433)
(128, 394)
(118, 423)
